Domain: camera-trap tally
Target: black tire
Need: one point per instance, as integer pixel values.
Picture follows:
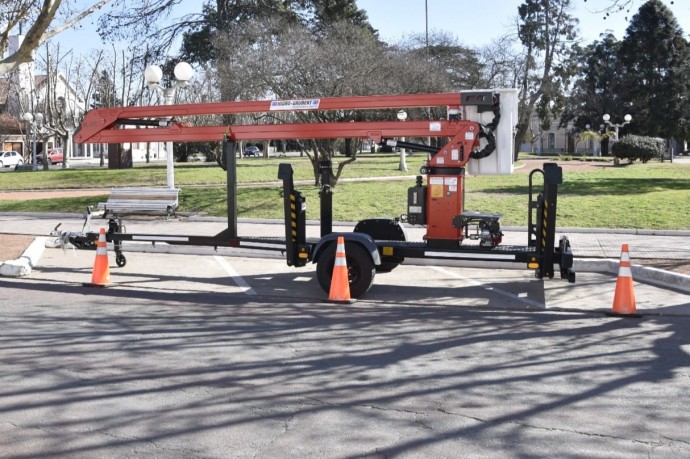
(50, 162)
(120, 260)
(360, 267)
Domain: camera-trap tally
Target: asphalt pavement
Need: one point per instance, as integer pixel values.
(221, 356)
(197, 353)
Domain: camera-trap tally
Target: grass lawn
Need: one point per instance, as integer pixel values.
(248, 170)
(650, 196)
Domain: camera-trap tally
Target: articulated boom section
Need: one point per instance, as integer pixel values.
(103, 125)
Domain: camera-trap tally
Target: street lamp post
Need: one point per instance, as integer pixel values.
(607, 120)
(153, 75)
(402, 116)
(589, 139)
(35, 121)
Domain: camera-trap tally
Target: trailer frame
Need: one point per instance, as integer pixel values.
(374, 245)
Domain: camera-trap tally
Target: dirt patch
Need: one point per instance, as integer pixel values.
(676, 266)
(567, 166)
(13, 245)
(47, 194)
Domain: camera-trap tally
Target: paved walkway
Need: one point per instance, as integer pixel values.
(586, 243)
(596, 243)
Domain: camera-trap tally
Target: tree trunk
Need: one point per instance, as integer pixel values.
(519, 138)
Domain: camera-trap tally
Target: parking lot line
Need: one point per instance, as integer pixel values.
(239, 280)
(490, 288)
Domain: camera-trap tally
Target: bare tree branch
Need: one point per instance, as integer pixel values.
(39, 31)
(71, 22)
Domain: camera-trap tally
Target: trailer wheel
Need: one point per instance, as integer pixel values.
(360, 268)
(120, 260)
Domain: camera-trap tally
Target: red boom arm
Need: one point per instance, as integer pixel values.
(98, 125)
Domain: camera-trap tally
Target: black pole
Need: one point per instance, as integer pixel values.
(553, 176)
(326, 195)
(229, 153)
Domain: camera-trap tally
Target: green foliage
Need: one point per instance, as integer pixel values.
(185, 151)
(632, 147)
(233, 17)
(646, 75)
(655, 56)
(597, 89)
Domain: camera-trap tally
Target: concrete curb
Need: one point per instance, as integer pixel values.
(31, 256)
(641, 273)
(23, 265)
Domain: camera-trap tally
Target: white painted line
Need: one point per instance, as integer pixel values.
(246, 289)
(263, 245)
(160, 238)
(490, 289)
(468, 256)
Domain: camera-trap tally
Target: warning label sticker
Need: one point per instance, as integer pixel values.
(295, 104)
(436, 191)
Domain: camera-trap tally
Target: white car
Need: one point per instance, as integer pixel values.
(10, 158)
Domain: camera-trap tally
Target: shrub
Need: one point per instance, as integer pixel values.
(632, 147)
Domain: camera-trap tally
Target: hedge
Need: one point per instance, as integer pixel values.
(632, 147)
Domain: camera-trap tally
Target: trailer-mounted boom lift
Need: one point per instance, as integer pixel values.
(374, 245)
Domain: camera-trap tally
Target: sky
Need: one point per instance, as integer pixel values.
(474, 22)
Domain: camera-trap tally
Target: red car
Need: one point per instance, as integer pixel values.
(54, 156)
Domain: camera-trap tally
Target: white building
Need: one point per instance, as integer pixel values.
(559, 140)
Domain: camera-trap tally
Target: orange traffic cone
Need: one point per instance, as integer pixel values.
(340, 282)
(101, 271)
(624, 298)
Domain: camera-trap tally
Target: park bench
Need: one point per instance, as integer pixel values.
(142, 201)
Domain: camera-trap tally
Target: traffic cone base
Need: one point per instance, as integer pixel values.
(100, 276)
(624, 297)
(340, 281)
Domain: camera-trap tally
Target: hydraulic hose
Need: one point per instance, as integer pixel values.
(487, 132)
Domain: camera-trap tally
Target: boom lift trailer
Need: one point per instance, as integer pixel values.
(375, 245)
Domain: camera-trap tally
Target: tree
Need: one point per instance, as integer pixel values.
(456, 64)
(142, 19)
(610, 7)
(597, 88)
(655, 57)
(322, 14)
(291, 62)
(40, 14)
(501, 63)
(546, 29)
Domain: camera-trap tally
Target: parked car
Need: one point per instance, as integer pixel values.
(54, 156)
(10, 158)
(252, 150)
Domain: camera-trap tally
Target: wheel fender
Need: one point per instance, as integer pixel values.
(362, 239)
